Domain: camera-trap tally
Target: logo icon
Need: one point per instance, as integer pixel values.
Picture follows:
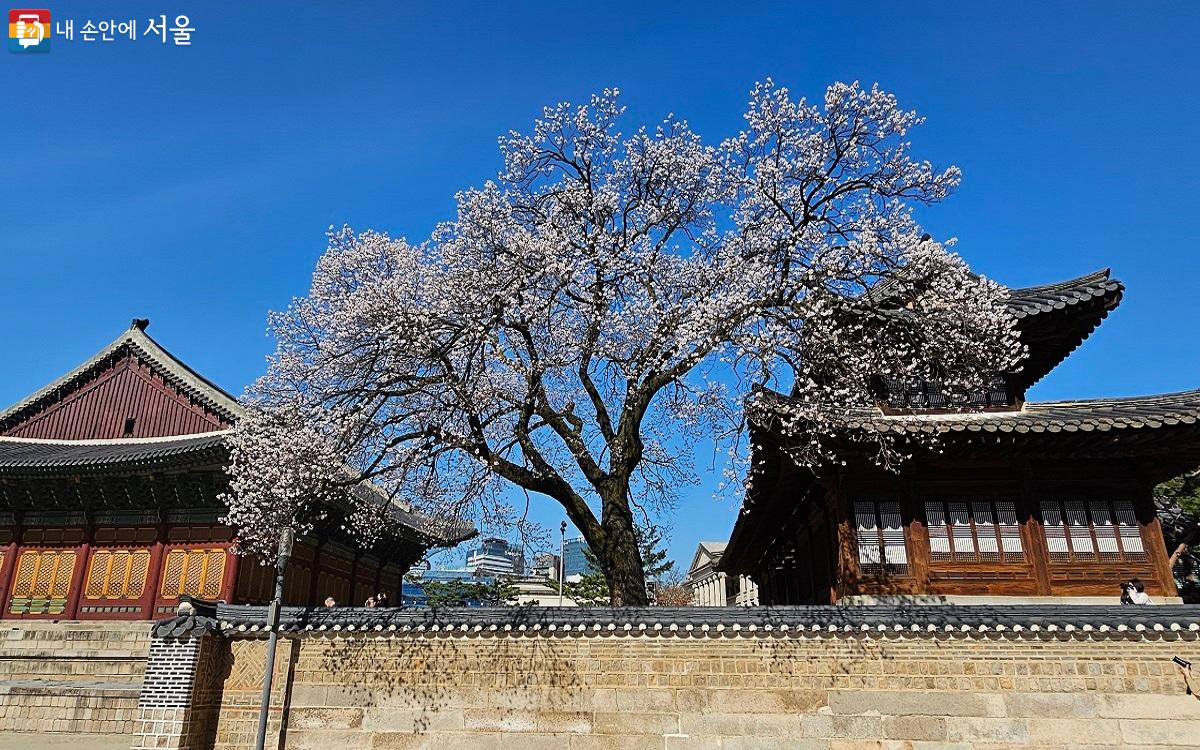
(29, 30)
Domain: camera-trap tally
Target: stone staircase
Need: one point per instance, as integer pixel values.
(71, 676)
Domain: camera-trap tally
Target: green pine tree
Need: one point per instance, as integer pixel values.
(593, 589)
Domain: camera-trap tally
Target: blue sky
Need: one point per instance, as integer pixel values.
(193, 185)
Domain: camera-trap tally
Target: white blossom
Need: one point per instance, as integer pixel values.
(609, 300)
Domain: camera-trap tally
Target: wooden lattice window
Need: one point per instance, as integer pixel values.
(880, 537)
(973, 531)
(195, 572)
(43, 574)
(1092, 530)
(117, 574)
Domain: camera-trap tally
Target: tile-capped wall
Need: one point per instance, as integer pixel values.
(802, 690)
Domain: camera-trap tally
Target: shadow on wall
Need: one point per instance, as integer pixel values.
(432, 672)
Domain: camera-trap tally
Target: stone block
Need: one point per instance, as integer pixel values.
(636, 723)
(742, 725)
(564, 721)
(1177, 731)
(1148, 706)
(772, 743)
(916, 703)
(766, 701)
(646, 700)
(1043, 705)
(325, 718)
(914, 727)
(608, 742)
(413, 720)
(1048, 730)
(971, 729)
(500, 721)
(690, 742)
(323, 739)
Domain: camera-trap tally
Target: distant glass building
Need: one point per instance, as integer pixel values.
(575, 562)
(496, 556)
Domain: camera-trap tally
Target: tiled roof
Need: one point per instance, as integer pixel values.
(31, 456)
(698, 622)
(1083, 416)
(163, 362)
(1033, 300)
(25, 457)
(1053, 319)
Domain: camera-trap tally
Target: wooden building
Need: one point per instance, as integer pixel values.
(109, 501)
(1001, 498)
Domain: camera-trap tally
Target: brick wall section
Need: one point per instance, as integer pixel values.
(916, 691)
(72, 677)
(178, 700)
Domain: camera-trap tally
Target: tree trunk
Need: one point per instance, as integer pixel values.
(619, 555)
(1179, 550)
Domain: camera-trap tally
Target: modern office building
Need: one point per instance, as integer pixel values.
(496, 556)
(575, 562)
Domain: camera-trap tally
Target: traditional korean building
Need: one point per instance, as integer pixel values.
(1002, 497)
(109, 509)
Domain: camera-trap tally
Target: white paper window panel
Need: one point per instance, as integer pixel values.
(959, 514)
(868, 554)
(864, 516)
(1006, 513)
(935, 514)
(939, 543)
(1056, 533)
(1010, 538)
(988, 544)
(1125, 514)
(895, 554)
(963, 540)
(1131, 540)
(1081, 540)
(982, 513)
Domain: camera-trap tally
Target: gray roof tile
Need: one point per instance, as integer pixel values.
(250, 621)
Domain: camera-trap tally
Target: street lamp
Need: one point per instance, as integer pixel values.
(562, 560)
(287, 538)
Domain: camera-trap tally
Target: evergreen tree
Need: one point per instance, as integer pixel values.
(593, 588)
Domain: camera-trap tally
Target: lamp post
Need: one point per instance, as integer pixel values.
(287, 538)
(562, 559)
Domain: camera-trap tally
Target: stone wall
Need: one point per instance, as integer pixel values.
(72, 677)
(613, 689)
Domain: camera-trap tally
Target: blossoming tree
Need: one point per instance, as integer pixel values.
(605, 302)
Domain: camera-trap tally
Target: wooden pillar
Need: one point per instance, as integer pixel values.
(75, 592)
(1152, 538)
(316, 575)
(379, 574)
(846, 557)
(916, 533)
(154, 572)
(11, 552)
(1033, 536)
(354, 580)
(229, 582)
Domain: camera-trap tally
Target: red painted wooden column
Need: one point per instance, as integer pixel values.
(353, 581)
(11, 552)
(232, 565)
(154, 573)
(316, 575)
(75, 593)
